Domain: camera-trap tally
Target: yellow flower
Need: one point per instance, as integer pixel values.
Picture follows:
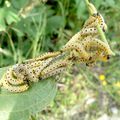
(102, 77)
(117, 84)
(104, 83)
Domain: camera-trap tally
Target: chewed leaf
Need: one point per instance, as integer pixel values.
(19, 106)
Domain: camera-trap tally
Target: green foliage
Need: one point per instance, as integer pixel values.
(21, 106)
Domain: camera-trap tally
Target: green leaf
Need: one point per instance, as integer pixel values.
(110, 2)
(20, 106)
(81, 9)
(7, 15)
(54, 23)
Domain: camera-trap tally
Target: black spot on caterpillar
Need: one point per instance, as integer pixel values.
(53, 73)
(89, 31)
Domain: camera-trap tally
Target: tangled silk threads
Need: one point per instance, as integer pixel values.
(85, 47)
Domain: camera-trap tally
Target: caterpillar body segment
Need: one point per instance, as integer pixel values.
(43, 57)
(38, 70)
(53, 73)
(74, 39)
(11, 78)
(94, 20)
(54, 66)
(48, 55)
(34, 64)
(89, 31)
(22, 71)
(78, 47)
(98, 49)
(19, 70)
(101, 22)
(13, 88)
(100, 45)
(91, 22)
(30, 75)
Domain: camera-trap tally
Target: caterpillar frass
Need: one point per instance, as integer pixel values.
(52, 73)
(54, 66)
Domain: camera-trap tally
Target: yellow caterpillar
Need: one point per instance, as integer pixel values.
(12, 88)
(12, 84)
(54, 66)
(12, 79)
(38, 70)
(97, 45)
(94, 20)
(43, 57)
(77, 47)
(83, 47)
(22, 71)
(53, 73)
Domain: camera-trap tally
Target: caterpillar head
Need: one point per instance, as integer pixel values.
(101, 21)
(104, 57)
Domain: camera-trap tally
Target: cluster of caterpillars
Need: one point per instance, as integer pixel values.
(84, 47)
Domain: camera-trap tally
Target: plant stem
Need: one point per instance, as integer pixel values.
(92, 10)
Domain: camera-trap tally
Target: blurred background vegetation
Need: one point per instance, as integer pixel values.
(31, 27)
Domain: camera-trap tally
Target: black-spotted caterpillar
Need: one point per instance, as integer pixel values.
(17, 78)
(86, 38)
(84, 47)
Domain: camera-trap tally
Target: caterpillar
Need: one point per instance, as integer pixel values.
(54, 66)
(89, 31)
(34, 64)
(43, 57)
(12, 88)
(12, 79)
(7, 84)
(95, 19)
(53, 73)
(89, 28)
(97, 48)
(77, 47)
(101, 22)
(96, 43)
(38, 70)
(24, 72)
